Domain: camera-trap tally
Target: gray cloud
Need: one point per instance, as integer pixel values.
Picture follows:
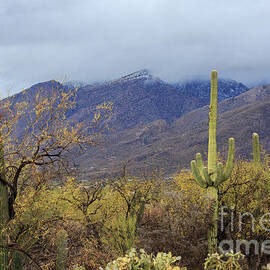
(94, 40)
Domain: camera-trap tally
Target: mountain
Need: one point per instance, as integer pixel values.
(138, 98)
(172, 147)
(141, 98)
(154, 121)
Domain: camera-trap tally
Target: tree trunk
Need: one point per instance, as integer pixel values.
(4, 214)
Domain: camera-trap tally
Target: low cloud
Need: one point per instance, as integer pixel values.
(95, 40)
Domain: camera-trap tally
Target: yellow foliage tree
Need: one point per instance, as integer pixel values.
(36, 137)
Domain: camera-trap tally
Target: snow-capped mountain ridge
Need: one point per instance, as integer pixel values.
(143, 74)
(197, 88)
(200, 88)
(140, 74)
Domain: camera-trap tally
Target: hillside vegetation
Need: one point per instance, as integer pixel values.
(56, 215)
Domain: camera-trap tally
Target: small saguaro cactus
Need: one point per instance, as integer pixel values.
(17, 262)
(212, 176)
(256, 148)
(61, 260)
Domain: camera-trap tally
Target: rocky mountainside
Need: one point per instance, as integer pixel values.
(151, 118)
(172, 147)
(201, 89)
(141, 98)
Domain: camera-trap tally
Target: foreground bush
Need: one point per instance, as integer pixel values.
(177, 222)
(140, 261)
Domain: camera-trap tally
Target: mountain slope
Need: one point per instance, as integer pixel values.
(141, 98)
(171, 148)
(138, 98)
(151, 120)
(199, 88)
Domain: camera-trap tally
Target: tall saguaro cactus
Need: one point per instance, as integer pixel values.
(212, 176)
(4, 214)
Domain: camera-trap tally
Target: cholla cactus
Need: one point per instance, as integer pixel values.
(212, 176)
(77, 267)
(228, 261)
(266, 267)
(140, 261)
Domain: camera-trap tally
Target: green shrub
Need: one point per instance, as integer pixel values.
(140, 261)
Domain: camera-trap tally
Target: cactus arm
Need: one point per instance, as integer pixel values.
(220, 176)
(223, 176)
(207, 177)
(199, 163)
(199, 179)
(203, 170)
(230, 159)
(212, 144)
(256, 148)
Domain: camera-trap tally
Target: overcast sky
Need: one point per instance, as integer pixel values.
(93, 40)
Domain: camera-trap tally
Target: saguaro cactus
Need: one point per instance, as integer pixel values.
(256, 148)
(4, 214)
(212, 176)
(61, 259)
(17, 263)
